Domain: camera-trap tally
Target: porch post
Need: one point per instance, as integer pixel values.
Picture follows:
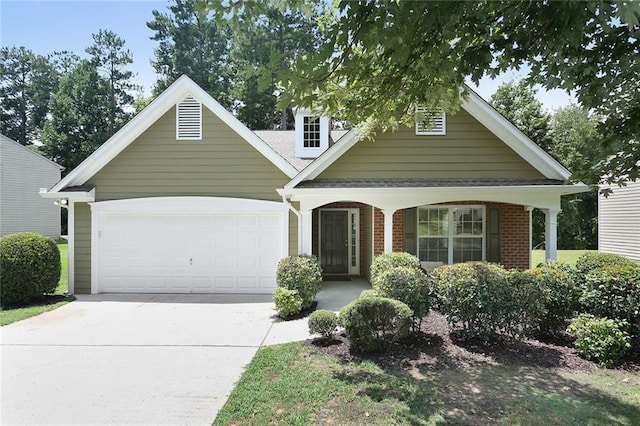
(551, 234)
(306, 232)
(388, 230)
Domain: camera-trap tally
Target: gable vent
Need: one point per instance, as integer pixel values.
(430, 121)
(189, 119)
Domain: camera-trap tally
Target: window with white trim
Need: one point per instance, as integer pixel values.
(189, 119)
(451, 234)
(311, 131)
(430, 121)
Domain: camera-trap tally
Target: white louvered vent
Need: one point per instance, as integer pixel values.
(189, 119)
(430, 121)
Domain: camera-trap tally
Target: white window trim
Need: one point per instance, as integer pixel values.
(353, 269)
(451, 234)
(438, 131)
(190, 98)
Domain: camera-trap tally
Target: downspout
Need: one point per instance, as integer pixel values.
(299, 216)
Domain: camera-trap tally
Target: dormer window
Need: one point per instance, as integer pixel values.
(312, 134)
(189, 119)
(311, 131)
(430, 121)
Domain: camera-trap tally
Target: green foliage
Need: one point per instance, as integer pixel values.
(372, 324)
(594, 260)
(386, 261)
(191, 43)
(600, 339)
(370, 293)
(26, 83)
(301, 273)
(485, 299)
(560, 295)
(613, 292)
(29, 267)
(408, 285)
(288, 302)
(324, 323)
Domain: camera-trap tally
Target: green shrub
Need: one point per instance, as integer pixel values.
(324, 323)
(484, 298)
(561, 295)
(29, 267)
(408, 285)
(372, 324)
(288, 302)
(595, 260)
(301, 273)
(370, 293)
(600, 339)
(386, 261)
(613, 292)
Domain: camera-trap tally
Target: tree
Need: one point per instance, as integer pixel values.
(379, 59)
(261, 45)
(518, 103)
(77, 124)
(26, 82)
(110, 58)
(191, 43)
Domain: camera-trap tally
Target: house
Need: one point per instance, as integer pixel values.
(185, 198)
(619, 220)
(23, 173)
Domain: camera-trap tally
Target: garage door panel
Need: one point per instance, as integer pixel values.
(199, 251)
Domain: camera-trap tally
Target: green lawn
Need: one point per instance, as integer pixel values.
(567, 256)
(294, 385)
(47, 303)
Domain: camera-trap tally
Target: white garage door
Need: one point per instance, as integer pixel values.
(187, 245)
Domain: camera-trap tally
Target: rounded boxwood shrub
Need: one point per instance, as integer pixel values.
(288, 302)
(301, 273)
(372, 324)
(595, 260)
(600, 339)
(561, 295)
(613, 292)
(408, 285)
(324, 323)
(484, 298)
(386, 261)
(29, 267)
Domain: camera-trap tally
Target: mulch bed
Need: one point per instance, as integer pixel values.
(434, 347)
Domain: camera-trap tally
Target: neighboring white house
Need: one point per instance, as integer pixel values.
(22, 174)
(619, 221)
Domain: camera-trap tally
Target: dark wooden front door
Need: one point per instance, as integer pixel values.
(334, 241)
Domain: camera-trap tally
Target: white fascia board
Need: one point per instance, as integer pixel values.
(326, 159)
(542, 196)
(75, 196)
(514, 138)
(149, 115)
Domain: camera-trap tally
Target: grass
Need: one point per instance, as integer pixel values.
(46, 303)
(567, 256)
(292, 384)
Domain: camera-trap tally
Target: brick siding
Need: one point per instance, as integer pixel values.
(514, 236)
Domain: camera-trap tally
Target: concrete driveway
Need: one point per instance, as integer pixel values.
(133, 359)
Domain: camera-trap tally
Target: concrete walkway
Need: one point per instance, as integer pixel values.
(140, 359)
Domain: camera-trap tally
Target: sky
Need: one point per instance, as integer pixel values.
(46, 26)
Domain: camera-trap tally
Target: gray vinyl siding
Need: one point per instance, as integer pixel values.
(222, 164)
(22, 174)
(619, 221)
(82, 240)
(468, 150)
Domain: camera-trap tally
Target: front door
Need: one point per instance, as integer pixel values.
(334, 241)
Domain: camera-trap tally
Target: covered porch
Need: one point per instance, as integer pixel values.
(489, 220)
